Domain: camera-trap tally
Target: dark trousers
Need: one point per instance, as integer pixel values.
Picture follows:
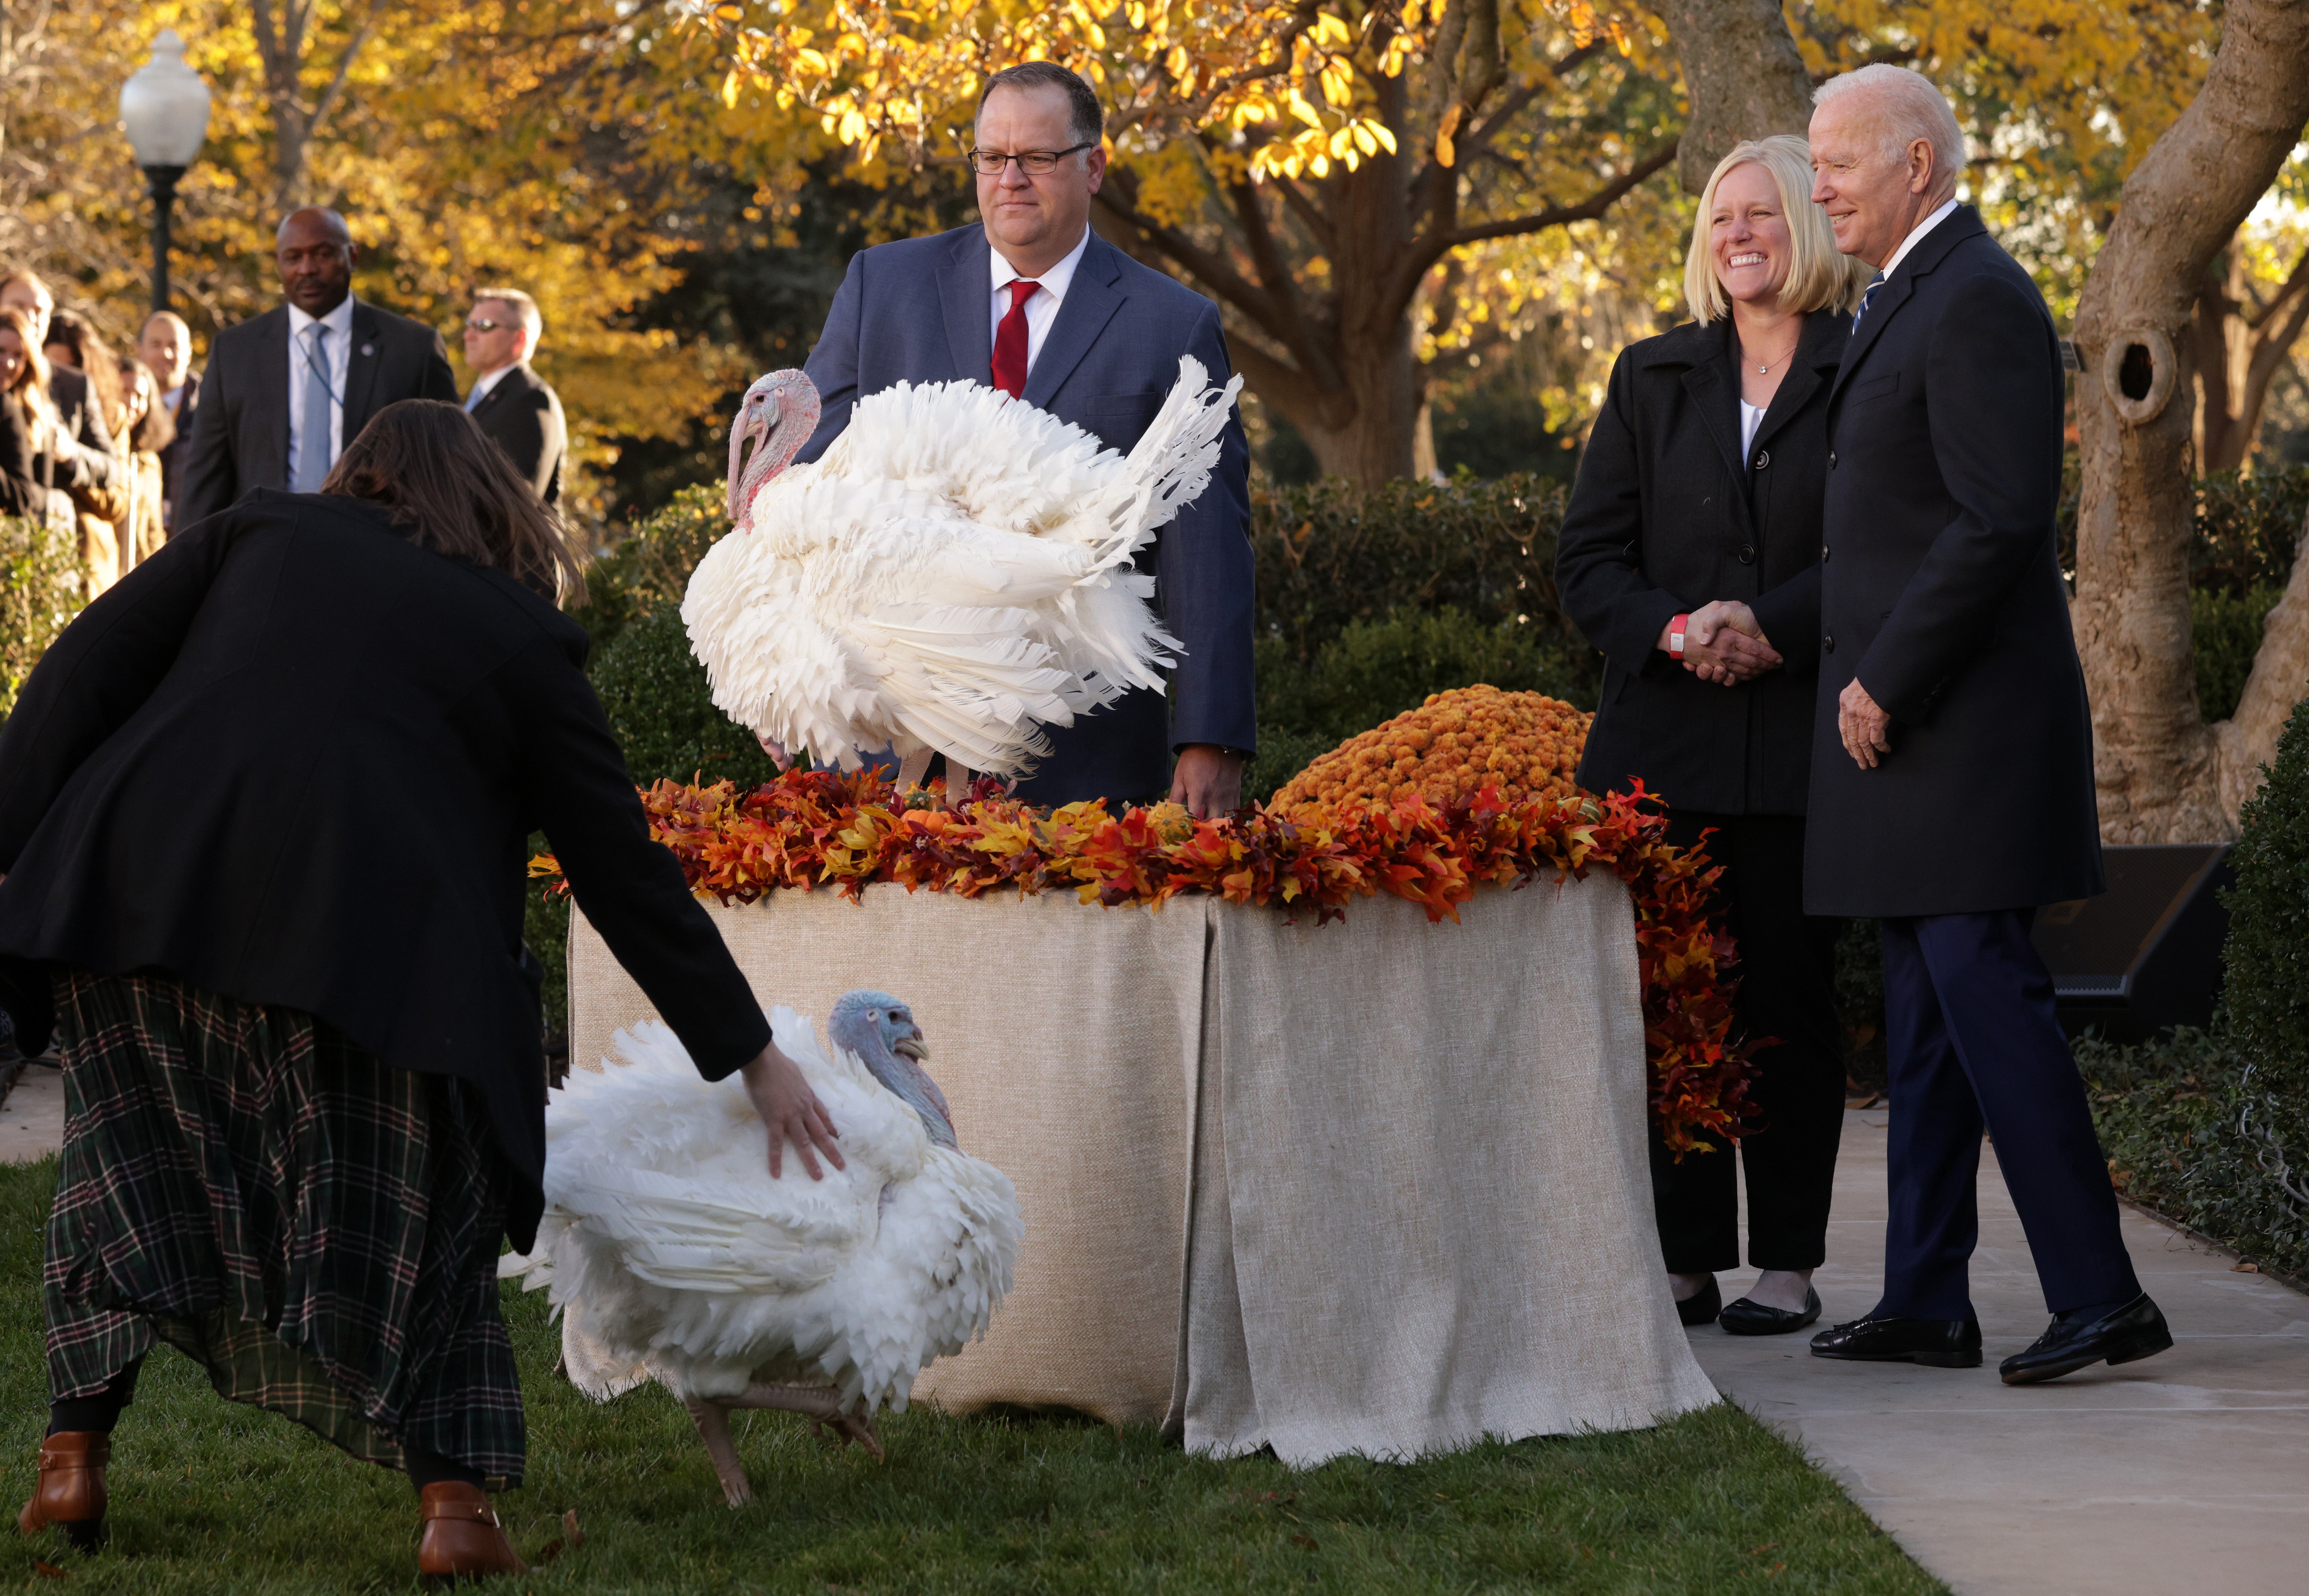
(1787, 989)
(1974, 1042)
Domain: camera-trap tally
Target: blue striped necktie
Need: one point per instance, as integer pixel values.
(1866, 294)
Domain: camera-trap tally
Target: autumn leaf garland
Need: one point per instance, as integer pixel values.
(823, 828)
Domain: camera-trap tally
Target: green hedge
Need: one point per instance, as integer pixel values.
(649, 568)
(2225, 634)
(41, 592)
(2267, 985)
(1329, 555)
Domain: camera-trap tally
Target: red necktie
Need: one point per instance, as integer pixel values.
(1010, 341)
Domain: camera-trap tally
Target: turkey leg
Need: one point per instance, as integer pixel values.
(713, 1422)
(912, 768)
(821, 1405)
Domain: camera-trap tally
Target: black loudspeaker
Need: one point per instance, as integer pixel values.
(2145, 954)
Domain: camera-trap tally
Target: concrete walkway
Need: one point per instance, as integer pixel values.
(2188, 1471)
(32, 1118)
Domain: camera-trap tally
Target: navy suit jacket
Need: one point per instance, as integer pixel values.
(1940, 591)
(920, 311)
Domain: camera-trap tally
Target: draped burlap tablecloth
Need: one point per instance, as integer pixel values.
(1375, 1187)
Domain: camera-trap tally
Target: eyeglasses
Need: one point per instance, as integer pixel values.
(1034, 163)
(481, 324)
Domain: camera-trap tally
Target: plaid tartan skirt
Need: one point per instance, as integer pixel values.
(318, 1229)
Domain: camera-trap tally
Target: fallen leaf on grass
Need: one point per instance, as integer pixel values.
(1306, 1540)
(548, 1552)
(569, 1529)
(49, 1570)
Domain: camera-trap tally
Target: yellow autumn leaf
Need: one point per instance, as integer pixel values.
(729, 90)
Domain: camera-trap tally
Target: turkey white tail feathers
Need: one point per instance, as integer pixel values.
(952, 574)
(1170, 465)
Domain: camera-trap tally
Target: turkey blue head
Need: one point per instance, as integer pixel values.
(881, 1031)
(780, 413)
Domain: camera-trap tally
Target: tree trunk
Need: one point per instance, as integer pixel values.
(2239, 342)
(1742, 74)
(2164, 775)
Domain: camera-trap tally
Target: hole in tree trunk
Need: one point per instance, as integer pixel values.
(2137, 372)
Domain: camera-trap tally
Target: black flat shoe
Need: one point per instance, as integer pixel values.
(2124, 1334)
(1702, 1306)
(1936, 1343)
(1750, 1317)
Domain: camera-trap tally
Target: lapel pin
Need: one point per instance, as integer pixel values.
(368, 348)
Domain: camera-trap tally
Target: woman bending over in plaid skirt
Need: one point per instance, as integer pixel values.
(264, 809)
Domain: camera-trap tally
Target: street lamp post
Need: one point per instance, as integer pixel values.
(164, 107)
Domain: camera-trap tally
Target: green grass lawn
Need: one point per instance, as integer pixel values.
(211, 1497)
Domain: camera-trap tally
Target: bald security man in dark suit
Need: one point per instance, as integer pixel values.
(1952, 765)
(284, 392)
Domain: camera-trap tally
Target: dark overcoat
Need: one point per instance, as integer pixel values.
(240, 428)
(921, 311)
(1942, 593)
(1666, 516)
(522, 415)
(294, 758)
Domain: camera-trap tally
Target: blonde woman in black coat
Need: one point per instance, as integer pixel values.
(1690, 556)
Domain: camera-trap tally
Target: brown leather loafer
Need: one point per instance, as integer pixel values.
(461, 1537)
(71, 1491)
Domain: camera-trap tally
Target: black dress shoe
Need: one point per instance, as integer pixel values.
(1702, 1306)
(1937, 1343)
(2131, 1330)
(1747, 1316)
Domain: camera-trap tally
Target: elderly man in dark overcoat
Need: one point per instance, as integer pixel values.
(1952, 774)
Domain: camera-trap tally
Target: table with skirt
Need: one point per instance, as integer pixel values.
(1375, 1187)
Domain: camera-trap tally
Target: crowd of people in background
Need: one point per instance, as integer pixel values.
(110, 449)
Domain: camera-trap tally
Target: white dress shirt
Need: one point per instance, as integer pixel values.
(1751, 417)
(1041, 309)
(481, 386)
(339, 323)
(1915, 234)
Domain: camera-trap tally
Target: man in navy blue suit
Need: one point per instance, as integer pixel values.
(1952, 774)
(1035, 303)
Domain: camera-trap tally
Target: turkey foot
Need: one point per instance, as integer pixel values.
(821, 1405)
(713, 1422)
(958, 778)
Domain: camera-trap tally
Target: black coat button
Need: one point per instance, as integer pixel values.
(1831, 460)
(1747, 554)
(1763, 457)
(1828, 645)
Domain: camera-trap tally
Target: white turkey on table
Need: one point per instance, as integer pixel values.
(953, 575)
(672, 1255)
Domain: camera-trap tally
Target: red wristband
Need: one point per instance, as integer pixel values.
(1675, 636)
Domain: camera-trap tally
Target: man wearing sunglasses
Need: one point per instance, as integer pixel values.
(517, 407)
(1034, 303)
(285, 392)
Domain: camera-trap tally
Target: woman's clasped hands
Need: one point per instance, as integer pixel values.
(1724, 643)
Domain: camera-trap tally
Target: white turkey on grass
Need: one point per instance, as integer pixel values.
(953, 575)
(671, 1254)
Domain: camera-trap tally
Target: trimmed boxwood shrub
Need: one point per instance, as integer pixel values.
(41, 592)
(2226, 628)
(2266, 989)
(649, 568)
(1329, 554)
(654, 692)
